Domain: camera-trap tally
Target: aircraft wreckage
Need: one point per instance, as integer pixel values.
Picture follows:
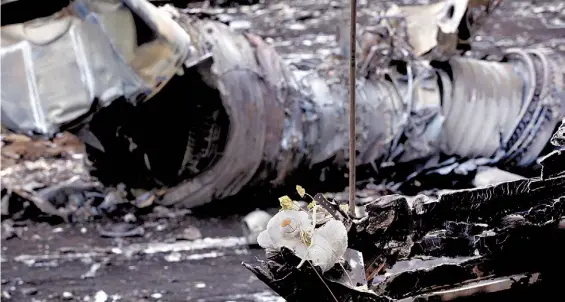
(128, 72)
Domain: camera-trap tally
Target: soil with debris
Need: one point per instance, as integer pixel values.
(170, 255)
(176, 259)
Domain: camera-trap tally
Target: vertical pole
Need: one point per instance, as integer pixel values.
(352, 73)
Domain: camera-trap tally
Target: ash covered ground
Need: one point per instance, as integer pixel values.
(178, 256)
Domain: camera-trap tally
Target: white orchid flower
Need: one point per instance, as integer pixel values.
(323, 246)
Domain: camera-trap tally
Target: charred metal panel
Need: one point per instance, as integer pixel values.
(473, 240)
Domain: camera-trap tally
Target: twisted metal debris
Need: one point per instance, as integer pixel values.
(404, 116)
(257, 120)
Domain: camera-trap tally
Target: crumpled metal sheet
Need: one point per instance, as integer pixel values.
(92, 47)
(249, 100)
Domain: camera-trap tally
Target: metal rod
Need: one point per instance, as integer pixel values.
(352, 73)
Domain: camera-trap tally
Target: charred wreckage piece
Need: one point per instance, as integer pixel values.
(253, 119)
(493, 243)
